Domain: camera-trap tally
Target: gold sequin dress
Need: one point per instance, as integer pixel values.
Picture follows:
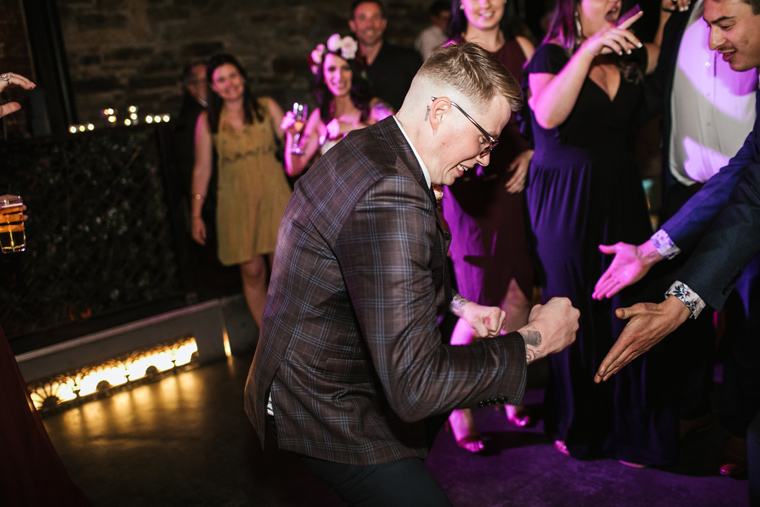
(252, 191)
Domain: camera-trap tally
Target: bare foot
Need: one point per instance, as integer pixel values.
(465, 432)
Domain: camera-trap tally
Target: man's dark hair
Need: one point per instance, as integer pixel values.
(357, 3)
(755, 4)
(187, 71)
(438, 8)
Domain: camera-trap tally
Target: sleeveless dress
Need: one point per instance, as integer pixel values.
(584, 190)
(489, 245)
(252, 191)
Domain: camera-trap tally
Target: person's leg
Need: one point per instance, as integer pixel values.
(254, 274)
(740, 394)
(404, 482)
(460, 421)
(517, 308)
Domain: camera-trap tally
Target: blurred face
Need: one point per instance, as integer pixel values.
(368, 24)
(442, 20)
(463, 143)
(734, 32)
(483, 14)
(337, 74)
(227, 82)
(197, 86)
(597, 15)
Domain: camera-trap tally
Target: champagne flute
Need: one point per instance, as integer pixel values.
(301, 113)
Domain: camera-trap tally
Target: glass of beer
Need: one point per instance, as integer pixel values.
(12, 236)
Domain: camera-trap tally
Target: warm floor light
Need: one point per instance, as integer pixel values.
(117, 374)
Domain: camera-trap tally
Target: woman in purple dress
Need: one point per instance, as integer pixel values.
(485, 208)
(586, 94)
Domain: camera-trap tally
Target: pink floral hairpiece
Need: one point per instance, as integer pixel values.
(345, 46)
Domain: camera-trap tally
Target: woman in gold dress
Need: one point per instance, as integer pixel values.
(252, 191)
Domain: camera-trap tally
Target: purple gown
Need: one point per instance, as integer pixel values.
(489, 244)
(584, 190)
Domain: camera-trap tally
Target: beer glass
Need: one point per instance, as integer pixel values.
(301, 113)
(12, 236)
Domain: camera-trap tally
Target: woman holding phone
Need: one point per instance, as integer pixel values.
(586, 95)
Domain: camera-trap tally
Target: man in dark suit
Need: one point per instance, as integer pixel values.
(389, 68)
(350, 362)
(731, 241)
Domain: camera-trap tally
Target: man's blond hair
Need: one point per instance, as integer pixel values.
(472, 71)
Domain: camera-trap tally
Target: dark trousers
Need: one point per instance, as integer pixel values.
(740, 394)
(404, 482)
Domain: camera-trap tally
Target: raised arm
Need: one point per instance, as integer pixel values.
(553, 97)
(309, 142)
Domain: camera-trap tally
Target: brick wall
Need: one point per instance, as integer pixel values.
(131, 52)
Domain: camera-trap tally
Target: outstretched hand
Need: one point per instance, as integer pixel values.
(629, 265)
(11, 80)
(649, 323)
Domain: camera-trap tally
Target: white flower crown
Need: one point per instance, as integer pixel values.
(347, 47)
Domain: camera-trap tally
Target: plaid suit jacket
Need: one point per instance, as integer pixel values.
(349, 347)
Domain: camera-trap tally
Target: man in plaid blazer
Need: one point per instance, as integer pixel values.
(350, 362)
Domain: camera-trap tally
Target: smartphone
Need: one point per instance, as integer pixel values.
(628, 15)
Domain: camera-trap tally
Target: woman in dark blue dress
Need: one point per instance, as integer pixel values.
(586, 96)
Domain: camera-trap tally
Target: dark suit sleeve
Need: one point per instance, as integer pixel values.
(716, 265)
(686, 227)
(385, 251)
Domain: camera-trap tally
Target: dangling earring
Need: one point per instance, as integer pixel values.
(461, 7)
(578, 27)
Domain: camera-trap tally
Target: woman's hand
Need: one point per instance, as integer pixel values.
(615, 39)
(11, 80)
(675, 5)
(333, 129)
(288, 123)
(198, 230)
(520, 167)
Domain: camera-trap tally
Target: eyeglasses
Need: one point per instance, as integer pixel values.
(492, 141)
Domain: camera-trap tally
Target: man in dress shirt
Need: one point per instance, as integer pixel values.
(390, 68)
(705, 123)
(435, 35)
(350, 362)
(731, 241)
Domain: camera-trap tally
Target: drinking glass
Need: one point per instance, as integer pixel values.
(301, 113)
(12, 235)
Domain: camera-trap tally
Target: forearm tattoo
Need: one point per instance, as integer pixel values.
(457, 305)
(532, 340)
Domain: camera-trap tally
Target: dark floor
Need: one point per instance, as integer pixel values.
(186, 441)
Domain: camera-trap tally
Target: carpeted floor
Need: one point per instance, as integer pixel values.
(186, 441)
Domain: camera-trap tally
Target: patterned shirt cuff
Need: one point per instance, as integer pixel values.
(664, 245)
(688, 297)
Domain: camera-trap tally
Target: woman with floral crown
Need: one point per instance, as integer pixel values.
(344, 103)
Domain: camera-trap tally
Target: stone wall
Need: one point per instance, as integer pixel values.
(131, 52)
(14, 57)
